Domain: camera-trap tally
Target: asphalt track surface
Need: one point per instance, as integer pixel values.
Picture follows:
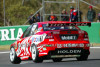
(93, 61)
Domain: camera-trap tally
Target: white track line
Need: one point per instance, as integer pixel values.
(5, 52)
(95, 47)
(9, 51)
(26, 62)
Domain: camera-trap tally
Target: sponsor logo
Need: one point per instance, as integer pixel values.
(59, 45)
(10, 34)
(56, 32)
(68, 37)
(70, 45)
(70, 24)
(68, 51)
(36, 39)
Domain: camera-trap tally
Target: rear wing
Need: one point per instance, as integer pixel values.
(64, 23)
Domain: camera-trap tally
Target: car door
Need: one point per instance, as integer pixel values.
(27, 38)
(37, 36)
(23, 43)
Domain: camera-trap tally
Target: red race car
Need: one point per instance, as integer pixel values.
(51, 40)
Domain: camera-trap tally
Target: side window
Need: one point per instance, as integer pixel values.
(27, 31)
(34, 29)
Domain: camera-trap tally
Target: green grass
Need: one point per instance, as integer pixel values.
(4, 47)
(95, 44)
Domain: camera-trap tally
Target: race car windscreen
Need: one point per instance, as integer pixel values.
(45, 28)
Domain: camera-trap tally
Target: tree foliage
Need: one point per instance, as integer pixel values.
(17, 14)
(1, 15)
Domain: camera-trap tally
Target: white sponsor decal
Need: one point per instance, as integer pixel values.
(68, 37)
(59, 45)
(70, 51)
(5, 34)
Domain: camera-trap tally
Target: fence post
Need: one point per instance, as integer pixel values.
(78, 10)
(43, 4)
(4, 12)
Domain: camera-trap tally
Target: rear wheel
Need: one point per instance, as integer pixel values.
(35, 55)
(13, 57)
(57, 59)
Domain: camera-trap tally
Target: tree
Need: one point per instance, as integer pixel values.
(1, 10)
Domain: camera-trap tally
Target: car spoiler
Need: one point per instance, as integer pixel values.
(64, 23)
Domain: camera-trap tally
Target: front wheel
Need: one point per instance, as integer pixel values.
(13, 57)
(57, 59)
(35, 55)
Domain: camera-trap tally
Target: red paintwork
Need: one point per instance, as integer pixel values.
(27, 41)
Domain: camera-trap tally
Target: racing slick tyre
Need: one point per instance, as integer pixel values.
(35, 55)
(13, 57)
(57, 59)
(82, 58)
